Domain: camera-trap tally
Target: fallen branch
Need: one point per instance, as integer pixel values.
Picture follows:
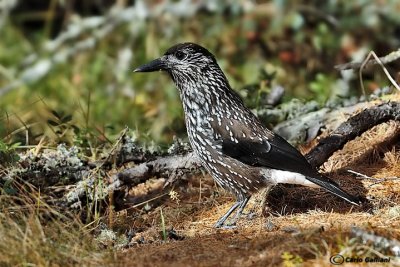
(375, 180)
(352, 128)
(170, 166)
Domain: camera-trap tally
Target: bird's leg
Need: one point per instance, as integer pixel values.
(222, 220)
(238, 204)
(264, 201)
(269, 224)
(239, 212)
(260, 202)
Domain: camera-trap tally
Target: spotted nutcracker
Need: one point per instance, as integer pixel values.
(240, 153)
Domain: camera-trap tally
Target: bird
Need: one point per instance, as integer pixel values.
(240, 153)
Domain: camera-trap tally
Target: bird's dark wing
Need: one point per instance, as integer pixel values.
(271, 152)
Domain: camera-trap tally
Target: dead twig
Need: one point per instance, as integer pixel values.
(372, 53)
(367, 62)
(375, 180)
(358, 65)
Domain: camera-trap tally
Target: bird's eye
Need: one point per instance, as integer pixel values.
(180, 55)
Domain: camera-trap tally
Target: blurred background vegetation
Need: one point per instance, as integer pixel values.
(66, 66)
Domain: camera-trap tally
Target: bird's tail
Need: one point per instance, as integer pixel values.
(334, 188)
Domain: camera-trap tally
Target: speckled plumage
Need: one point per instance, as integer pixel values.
(240, 153)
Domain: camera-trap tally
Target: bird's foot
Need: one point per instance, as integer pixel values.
(218, 224)
(232, 224)
(226, 225)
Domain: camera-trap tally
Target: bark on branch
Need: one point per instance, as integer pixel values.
(352, 128)
(169, 166)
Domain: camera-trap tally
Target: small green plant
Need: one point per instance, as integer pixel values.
(322, 87)
(8, 154)
(163, 231)
(290, 260)
(61, 125)
(257, 93)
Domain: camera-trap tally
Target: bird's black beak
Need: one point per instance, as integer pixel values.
(156, 64)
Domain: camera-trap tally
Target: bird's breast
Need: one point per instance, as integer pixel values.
(202, 136)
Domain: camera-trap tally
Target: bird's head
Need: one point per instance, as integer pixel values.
(182, 60)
